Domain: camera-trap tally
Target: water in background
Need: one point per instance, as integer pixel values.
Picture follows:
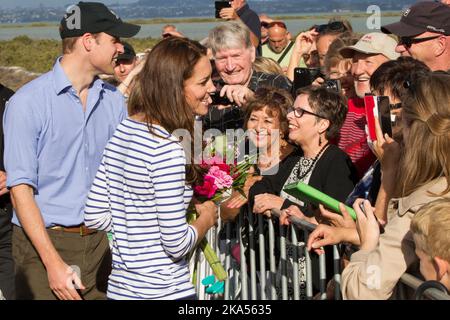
(196, 31)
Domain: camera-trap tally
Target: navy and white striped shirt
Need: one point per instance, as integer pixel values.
(140, 195)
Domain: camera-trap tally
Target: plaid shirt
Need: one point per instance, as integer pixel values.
(233, 117)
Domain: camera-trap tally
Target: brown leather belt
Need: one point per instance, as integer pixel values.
(82, 230)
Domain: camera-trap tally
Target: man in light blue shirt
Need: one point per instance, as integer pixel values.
(56, 128)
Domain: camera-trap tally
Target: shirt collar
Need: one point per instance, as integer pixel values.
(421, 196)
(61, 82)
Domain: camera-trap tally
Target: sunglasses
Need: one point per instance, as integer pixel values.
(299, 112)
(408, 41)
(333, 26)
(166, 35)
(280, 24)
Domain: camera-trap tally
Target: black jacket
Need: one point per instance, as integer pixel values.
(334, 175)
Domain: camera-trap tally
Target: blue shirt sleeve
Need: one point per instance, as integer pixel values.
(22, 126)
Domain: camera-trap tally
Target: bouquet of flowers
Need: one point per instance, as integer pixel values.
(219, 181)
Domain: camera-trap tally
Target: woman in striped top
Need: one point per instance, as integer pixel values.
(143, 185)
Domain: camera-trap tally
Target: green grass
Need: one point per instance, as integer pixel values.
(40, 55)
(32, 55)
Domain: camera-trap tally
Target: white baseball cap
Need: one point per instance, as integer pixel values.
(373, 43)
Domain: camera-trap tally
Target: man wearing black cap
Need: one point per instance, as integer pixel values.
(125, 62)
(56, 128)
(424, 34)
(124, 71)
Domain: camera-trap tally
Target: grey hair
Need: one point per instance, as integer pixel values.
(229, 35)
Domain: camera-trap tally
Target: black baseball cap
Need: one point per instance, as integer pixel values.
(94, 17)
(424, 16)
(128, 52)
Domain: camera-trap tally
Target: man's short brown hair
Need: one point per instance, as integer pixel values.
(68, 44)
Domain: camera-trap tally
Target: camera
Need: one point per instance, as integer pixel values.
(219, 5)
(218, 100)
(334, 85)
(304, 77)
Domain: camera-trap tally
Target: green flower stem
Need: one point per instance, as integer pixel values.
(208, 252)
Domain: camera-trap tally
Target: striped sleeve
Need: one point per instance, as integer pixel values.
(97, 212)
(168, 170)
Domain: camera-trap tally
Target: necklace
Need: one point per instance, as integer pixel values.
(306, 165)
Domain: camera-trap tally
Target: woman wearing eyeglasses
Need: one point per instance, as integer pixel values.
(315, 119)
(413, 175)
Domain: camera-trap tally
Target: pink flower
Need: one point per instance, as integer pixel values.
(216, 161)
(222, 178)
(208, 189)
(213, 160)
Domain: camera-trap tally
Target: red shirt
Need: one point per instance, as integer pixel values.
(353, 139)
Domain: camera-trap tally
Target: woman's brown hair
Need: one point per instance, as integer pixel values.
(158, 93)
(426, 112)
(276, 101)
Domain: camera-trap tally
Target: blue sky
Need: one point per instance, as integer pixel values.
(35, 3)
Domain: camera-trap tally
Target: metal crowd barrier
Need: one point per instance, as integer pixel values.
(409, 281)
(247, 282)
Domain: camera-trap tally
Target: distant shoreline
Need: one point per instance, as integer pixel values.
(209, 20)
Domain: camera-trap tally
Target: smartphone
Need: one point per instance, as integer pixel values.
(304, 77)
(218, 100)
(219, 5)
(333, 84)
(371, 108)
(384, 115)
(361, 206)
(378, 106)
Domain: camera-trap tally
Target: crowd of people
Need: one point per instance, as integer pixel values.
(96, 181)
